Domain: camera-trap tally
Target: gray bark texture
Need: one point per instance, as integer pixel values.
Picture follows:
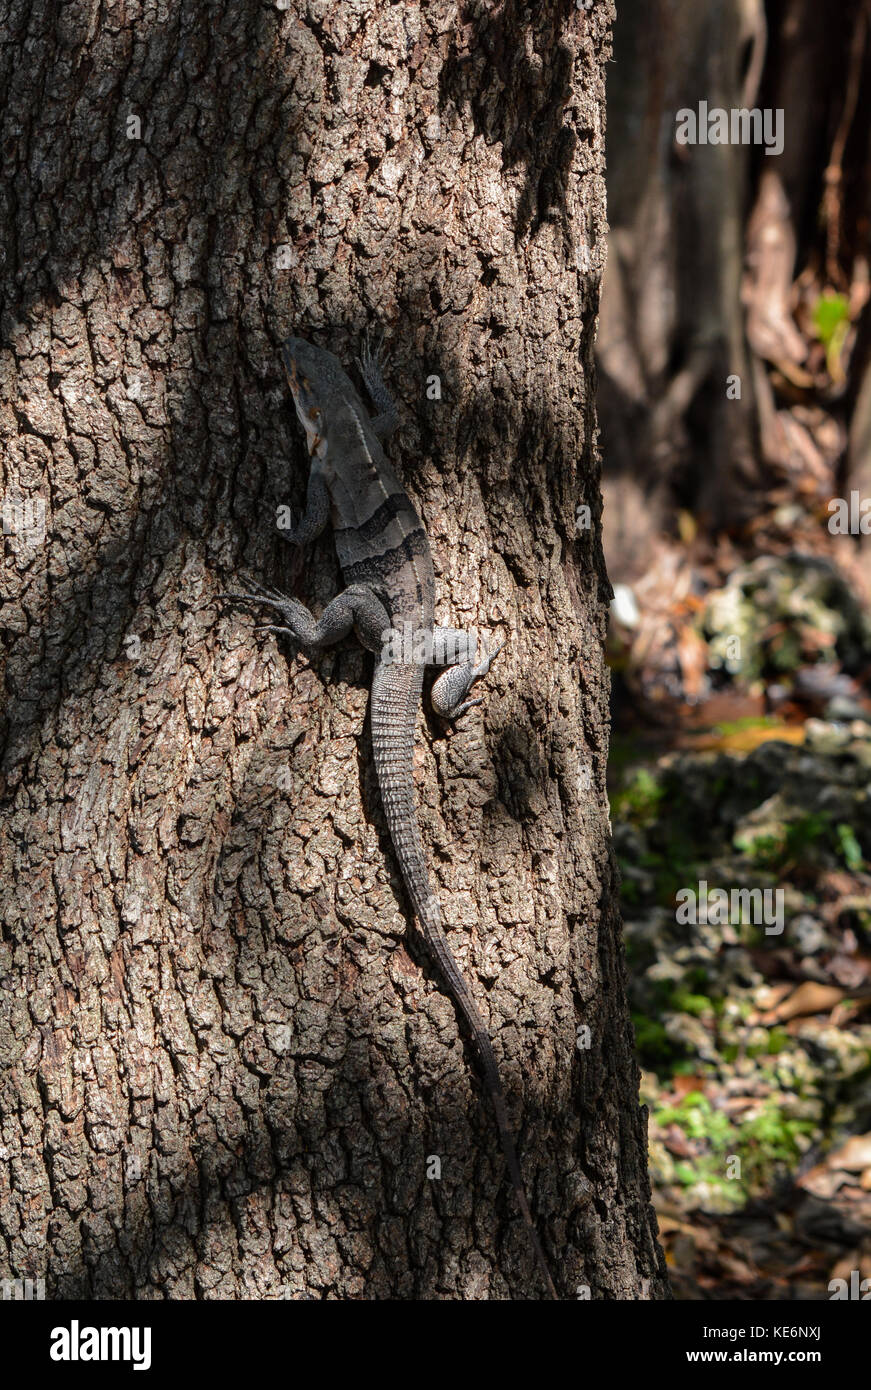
(225, 1065)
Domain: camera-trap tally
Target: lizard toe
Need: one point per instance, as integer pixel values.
(462, 709)
(484, 665)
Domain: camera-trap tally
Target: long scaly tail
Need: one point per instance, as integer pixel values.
(396, 690)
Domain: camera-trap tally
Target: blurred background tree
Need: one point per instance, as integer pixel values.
(735, 407)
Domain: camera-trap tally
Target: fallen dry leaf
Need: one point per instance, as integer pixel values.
(683, 1085)
(809, 998)
(743, 740)
(769, 996)
(854, 1156)
(821, 1182)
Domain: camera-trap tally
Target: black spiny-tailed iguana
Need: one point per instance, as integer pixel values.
(385, 558)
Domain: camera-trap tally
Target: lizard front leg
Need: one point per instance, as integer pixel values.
(316, 515)
(457, 650)
(369, 362)
(356, 607)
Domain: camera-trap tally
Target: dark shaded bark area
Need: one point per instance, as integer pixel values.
(223, 1062)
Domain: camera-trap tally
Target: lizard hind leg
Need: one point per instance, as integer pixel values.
(356, 607)
(449, 691)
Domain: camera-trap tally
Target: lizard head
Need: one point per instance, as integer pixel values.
(315, 376)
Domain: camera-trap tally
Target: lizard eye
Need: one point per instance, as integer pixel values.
(314, 413)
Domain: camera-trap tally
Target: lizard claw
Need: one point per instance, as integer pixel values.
(247, 598)
(370, 362)
(466, 705)
(486, 662)
(273, 627)
(258, 593)
(371, 356)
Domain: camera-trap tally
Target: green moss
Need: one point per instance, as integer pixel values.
(831, 312)
(639, 800)
(769, 1141)
(803, 839)
(778, 1039)
(683, 1002)
(765, 1143)
(698, 1119)
(850, 848)
(656, 1049)
(730, 727)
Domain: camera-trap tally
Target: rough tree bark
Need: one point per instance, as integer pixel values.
(224, 1063)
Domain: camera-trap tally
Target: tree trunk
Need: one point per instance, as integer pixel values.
(226, 1068)
(672, 332)
(709, 247)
